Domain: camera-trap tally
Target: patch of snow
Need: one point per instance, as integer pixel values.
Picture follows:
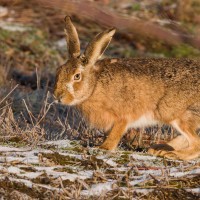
(79, 157)
(11, 149)
(144, 157)
(193, 190)
(86, 174)
(71, 177)
(14, 170)
(30, 184)
(64, 175)
(143, 191)
(12, 159)
(41, 168)
(179, 174)
(31, 175)
(98, 189)
(26, 182)
(59, 143)
(13, 27)
(47, 169)
(108, 161)
(121, 169)
(151, 171)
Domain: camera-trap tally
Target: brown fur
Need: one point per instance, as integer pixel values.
(117, 94)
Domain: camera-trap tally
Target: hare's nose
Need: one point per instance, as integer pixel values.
(57, 98)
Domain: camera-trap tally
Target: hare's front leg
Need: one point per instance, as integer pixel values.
(118, 130)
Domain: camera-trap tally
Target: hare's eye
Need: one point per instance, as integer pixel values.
(77, 76)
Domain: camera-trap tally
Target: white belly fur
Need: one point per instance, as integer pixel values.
(143, 121)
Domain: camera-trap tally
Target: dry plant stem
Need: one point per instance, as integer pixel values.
(29, 112)
(38, 78)
(45, 112)
(6, 106)
(8, 94)
(91, 10)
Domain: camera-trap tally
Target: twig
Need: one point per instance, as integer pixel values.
(8, 94)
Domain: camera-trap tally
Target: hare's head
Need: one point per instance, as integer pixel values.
(76, 79)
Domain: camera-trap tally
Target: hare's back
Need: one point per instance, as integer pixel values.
(169, 70)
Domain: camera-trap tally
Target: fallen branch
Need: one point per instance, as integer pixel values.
(102, 15)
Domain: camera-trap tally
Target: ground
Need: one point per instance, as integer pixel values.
(64, 169)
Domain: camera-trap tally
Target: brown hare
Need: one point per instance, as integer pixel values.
(117, 94)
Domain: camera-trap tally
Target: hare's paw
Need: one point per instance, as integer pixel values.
(184, 154)
(157, 147)
(164, 153)
(160, 149)
(108, 145)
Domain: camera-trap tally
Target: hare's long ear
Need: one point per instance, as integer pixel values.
(71, 38)
(98, 45)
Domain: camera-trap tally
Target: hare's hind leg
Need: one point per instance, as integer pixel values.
(115, 135)
(187, 126)
(179, 142)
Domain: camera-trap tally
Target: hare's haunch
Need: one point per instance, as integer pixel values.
(118, 94)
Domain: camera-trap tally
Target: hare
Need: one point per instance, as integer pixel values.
(117, 94)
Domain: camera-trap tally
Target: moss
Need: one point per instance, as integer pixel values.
(170, 194)
(60, 159)
(13, 144)
(93, 163)
(135, 7)
(67, 169)
(74, 147)
(21, 187)
(124, 158)
(28, 169)
(15, 139)
(42, 179)
(67, 183)
(78, 149)
(185, 182)
(184, 50)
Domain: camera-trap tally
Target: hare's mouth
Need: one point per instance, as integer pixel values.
(68, 100)
(73, 102)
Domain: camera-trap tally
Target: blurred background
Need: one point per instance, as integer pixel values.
(32, 46)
